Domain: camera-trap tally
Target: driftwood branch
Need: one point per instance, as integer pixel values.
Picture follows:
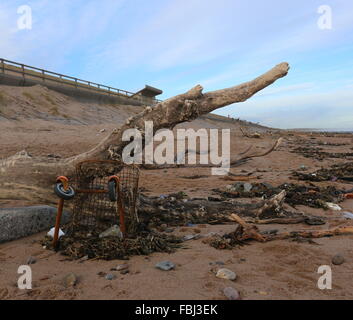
(25, 177)
(251, 232)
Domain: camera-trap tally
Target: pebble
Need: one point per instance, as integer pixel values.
(70, 280)
(110, 276)
(338, 259)
(226, 274)
(219, 263)
(126, 271)
(112, 232)
(165, 265)
(31, 260)
(122, 267)
(231, 293)
(188, 237)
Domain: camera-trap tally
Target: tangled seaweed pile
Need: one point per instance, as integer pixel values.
(336, 172)
(92, 246)
(319, 154)
(312, 196)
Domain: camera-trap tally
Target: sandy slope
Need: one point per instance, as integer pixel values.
(276, 270)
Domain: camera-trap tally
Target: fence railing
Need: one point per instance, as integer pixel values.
(42, 74)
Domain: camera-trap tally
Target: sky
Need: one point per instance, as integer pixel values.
(176, 44)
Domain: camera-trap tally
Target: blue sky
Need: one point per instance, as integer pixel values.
(175, 45)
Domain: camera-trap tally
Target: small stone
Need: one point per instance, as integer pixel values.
(226, 274)
(114, 231)
(126, 271)
(231, 293)
(70, 280)
(165, 265)
(188, 237)
(338, 259)
(31, 260)
(247, 187)
(110, 276)
(122, 267)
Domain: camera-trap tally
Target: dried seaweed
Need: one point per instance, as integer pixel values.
(312, 196)
(339, 171)
(92, 246)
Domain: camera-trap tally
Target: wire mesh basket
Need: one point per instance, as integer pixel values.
(93, 209)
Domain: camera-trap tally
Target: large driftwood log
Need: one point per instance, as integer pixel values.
(251, 232)
(23, 177)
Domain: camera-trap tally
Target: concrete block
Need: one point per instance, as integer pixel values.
(17, 223)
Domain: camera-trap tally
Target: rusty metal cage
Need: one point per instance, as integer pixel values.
(93, 210)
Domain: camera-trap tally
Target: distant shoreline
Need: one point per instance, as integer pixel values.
(322, 130)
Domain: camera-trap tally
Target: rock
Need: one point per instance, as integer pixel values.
(165, 265)
(314, 221)
(70, 280)
(122, 267)
(188, 237)
(333, 206)
(231, 293)
(114, 231)
(31, 260)
(226, 274)
(218, 263)
(247, 187)
(110, 276)
(338, 259)
(126, 271)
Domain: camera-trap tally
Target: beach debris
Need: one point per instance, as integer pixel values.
(78, 245)
(245, 232)
(338, 259)
(70, 280)
(114, 231)
(348, 195)
(338, 171)
(226, 274)
(51, 233)
(312, 196)
(348, 215)
(333, 206)
(31, 260)
(231, 293)
(165, 265)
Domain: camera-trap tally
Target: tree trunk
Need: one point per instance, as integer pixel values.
(26, 178)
